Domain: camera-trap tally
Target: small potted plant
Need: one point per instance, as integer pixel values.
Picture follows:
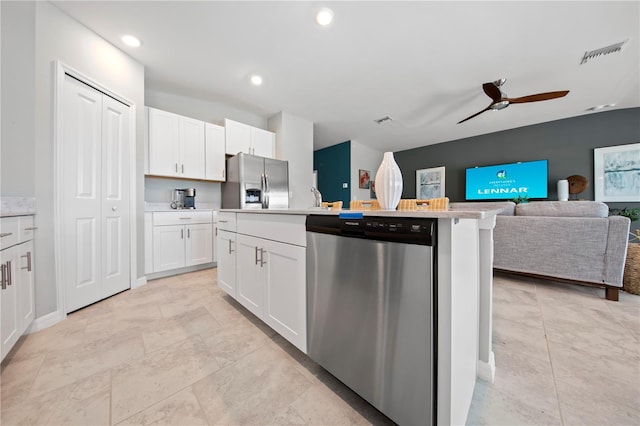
(520, 199)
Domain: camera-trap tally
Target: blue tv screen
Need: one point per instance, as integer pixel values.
(507, 181)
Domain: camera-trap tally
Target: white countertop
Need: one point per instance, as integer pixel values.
(438, 214)
(17, 206)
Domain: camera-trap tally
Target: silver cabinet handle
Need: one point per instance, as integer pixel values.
(183, 168)
(114, 208)
(176, 167)
(28, 256)
(223, 221)
(31, 228)
(3, 281)
(262, 261)
(5, 234)
(182, 234)
(184, 218)
(188, 233)
(256, 255)
(8, 269)
(216, 229)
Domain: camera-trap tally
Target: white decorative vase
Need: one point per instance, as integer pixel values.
(563, 190)
(388, 183)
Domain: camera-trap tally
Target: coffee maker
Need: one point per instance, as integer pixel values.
(184, 198)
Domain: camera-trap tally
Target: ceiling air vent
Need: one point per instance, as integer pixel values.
(384, 119)
(602, 51)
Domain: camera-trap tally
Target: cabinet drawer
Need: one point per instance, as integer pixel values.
(285, 228)
(182, 217)
(10, 231)
(26, 228)
(227, 221)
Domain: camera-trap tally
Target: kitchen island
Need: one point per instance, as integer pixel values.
(262, 264)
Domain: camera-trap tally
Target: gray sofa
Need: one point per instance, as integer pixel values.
(575, 241)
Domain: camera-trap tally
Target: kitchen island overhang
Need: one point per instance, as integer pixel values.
(463, 291)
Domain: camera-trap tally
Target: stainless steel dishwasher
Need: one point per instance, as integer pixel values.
(371, 312)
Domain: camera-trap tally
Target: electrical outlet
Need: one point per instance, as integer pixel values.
(345, 185)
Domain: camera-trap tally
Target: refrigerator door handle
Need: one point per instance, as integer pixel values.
(266, 191)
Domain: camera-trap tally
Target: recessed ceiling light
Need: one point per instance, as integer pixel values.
(599, 107)
(132, 41)
(324, 17)
(256, 80)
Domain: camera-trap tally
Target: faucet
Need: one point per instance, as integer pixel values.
(317, 197)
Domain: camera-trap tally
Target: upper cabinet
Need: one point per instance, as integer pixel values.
(176, 145)
(215, 164)
(248, 139)
(185, 147)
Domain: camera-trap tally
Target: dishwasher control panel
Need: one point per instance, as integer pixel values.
(402, 230)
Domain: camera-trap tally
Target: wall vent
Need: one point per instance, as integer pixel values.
(383, 119)
(602, 51)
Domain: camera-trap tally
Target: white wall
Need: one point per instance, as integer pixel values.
(365, 158)
(59, 37)
(205, 110)
(294, 143)
(18, 99)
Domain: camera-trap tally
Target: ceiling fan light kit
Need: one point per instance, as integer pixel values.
(501, 101)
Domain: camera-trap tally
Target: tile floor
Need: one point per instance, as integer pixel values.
(178, 351)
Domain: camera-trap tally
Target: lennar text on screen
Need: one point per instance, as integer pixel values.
(490, 191)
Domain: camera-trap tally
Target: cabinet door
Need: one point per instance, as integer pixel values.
(227, 261)
(214, 168)
(237, 137)
(9, 320)
(250, 286)
(283, 267)
(26, 283)
(263, 142)
(164, 143)
(168, 247)
(199, 244)
(191, 148)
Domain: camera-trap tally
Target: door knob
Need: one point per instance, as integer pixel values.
(114, 208)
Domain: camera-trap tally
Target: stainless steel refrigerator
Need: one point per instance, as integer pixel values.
(256, 183)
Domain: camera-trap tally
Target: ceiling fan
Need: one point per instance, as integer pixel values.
(501, 101)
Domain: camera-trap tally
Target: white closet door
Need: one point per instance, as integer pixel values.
(115, 197)
(95, 244)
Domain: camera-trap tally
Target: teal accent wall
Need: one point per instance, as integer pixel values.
(333, 165)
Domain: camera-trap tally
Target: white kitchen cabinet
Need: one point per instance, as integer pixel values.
(10, 327)
(176, 145)
(215, 165)
(181, 238)
(226, 249)
(263, 142)
(17, 280)
(269, 277)
(248, 139)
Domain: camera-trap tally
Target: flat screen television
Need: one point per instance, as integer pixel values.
(507, 181)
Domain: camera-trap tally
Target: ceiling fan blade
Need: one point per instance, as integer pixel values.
(476, 114)
(492, 91)
(538, 97)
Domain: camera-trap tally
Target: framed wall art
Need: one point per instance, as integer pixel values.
(430, 183)
(616, 172)
(364, 176)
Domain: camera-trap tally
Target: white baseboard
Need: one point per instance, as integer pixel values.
(45, 321)
(139, 282)
(487, 370)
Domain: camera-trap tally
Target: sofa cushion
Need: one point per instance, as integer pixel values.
(563, 208)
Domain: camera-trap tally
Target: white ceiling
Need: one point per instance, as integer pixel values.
(420, 62)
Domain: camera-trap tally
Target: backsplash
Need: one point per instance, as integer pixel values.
(157, 191)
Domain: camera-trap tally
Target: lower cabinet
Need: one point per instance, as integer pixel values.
(262, 264)
(226, 251)
(177, 246)
(180, 239)
(17, 281)
(271, 284)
